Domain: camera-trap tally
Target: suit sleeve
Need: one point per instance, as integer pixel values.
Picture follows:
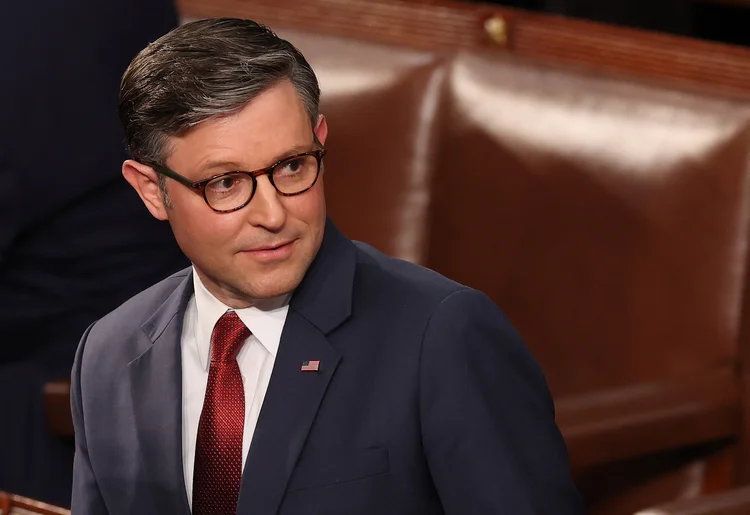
(86, 497)
(488, 421)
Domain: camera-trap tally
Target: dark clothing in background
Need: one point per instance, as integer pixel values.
(673, 16)
(75, 239)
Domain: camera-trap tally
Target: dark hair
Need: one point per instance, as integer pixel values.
(201, 70)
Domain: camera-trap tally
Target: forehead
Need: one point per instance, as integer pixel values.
(268, 126)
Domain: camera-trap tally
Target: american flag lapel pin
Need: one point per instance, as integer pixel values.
(310, 366)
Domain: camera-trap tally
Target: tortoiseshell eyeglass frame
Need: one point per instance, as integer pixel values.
(199, 187)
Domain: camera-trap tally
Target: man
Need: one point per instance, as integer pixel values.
(290, 370)
(73, 237)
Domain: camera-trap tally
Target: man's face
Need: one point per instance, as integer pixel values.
(264, 249)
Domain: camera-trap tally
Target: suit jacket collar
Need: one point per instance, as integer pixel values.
(324, 298)
(172, 310)
(156, 392)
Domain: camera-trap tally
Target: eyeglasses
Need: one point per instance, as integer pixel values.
(231, 191)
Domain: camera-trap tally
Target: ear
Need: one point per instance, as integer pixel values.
(321, 129)
(144, 180)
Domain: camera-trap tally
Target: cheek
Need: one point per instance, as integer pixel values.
(203, 233)
(309, 207)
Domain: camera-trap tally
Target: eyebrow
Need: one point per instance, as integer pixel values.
(233, 166)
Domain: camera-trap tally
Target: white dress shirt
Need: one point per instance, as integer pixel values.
(256, 359)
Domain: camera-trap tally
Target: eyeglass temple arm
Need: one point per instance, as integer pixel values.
(174, 175)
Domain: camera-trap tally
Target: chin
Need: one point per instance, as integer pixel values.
(272, 288)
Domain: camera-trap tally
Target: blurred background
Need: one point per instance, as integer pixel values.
(584, 163)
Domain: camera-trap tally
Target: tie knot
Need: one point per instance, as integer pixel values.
(228, 336)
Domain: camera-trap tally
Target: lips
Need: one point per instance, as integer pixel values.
(270, 247)
(272, 252)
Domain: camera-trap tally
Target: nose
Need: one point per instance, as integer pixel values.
(266, 209)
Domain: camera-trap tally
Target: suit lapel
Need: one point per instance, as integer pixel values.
(288, 411)
(320, 304)
(156, 390)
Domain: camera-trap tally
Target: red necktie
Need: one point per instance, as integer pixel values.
(218, 450)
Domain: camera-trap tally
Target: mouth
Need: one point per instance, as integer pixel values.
(272, 252)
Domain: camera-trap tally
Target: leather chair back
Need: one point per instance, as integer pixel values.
(609, 219)
(381, 107)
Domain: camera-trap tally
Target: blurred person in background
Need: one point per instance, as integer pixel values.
(674, 16)
(74, 240)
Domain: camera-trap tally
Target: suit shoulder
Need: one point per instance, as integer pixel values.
(126, 319)
(403, 279)
(141, 306)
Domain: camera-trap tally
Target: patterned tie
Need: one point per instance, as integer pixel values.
(218, 451)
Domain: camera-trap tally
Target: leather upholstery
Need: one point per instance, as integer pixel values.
(608, 219)
(381, 108)
(733, 502)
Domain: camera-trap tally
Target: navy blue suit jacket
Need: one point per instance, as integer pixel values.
(426, 402)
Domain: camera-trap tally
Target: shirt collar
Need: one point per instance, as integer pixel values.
(265, 320)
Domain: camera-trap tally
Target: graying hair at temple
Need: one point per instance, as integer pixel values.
(202, 70)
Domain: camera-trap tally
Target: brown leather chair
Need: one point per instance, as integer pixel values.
(733, 502)
(607, 218)
(16, 505)
(393, 146)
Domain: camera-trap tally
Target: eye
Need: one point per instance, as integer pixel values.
(292, 166)
(224, 183)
